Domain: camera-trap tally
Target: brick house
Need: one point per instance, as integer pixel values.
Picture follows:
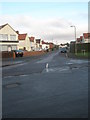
(45, 45)
(32, 43)
(38, 44)
(86, 38)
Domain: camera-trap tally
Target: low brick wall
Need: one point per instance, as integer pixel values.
(6, 54)
(31, 53)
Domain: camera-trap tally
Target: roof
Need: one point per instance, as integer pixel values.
(79, 39)
(38, 41)
(31, 39)
(44, 42)
(3, 26)
(51, 43)
(86, 35)
(72, 42)
(22, 36)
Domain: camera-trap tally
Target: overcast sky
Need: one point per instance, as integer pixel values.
(49, 21)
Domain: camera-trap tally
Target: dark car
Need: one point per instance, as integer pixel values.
(18, 53)
(63, 50)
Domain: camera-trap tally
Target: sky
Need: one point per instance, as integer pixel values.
(49, 21)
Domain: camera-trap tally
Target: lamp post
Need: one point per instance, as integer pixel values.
(75, 39)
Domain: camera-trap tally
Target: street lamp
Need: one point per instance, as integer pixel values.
(75, 38)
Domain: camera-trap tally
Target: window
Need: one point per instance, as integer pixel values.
(3, 37)
(3, 48)
(14, 47)
(13, 37)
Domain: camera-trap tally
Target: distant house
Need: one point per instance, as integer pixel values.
(72, 42)
(38, 44)
(24, 43)
(32, 43)
(79, 40)
(86, 38)
(51, 45)
(8, 38)
(45, 45)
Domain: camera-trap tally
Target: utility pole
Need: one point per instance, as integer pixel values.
(75, 39)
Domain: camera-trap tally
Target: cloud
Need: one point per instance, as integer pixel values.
(56, 29)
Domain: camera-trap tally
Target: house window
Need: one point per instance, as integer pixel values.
(13, 37)
(3, 48)
(3, 37)
(14, 47)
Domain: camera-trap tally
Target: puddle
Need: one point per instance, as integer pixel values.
(12, 85)
(20, 75)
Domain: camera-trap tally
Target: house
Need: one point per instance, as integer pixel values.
(24, 43)
(38, 44)
(51, 45)
(8, 38)
(45, 45)
(79, 40)
(86, 38)
(32, 43)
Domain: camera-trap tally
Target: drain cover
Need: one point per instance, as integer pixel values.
(12, 85)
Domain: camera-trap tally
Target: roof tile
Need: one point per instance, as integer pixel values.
(22, 36)
(31, 39)
(86, 35)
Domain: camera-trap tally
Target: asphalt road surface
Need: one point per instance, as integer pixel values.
(30, 90)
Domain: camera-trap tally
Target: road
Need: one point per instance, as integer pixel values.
(32, 91)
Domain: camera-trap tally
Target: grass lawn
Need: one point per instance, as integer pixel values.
(86, 55)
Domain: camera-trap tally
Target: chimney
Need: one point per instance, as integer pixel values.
(17, 32)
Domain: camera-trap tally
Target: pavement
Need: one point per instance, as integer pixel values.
(30, 90)
(19, 60)
(10, 62)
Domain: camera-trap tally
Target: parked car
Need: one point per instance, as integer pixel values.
(63, 50)
(19, 53)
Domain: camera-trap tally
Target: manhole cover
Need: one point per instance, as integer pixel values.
(12, 85)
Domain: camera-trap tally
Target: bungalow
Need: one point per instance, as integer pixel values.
(38, 44)
(32, 43)
(45, 45)
(24, 43)
(8, 38)
(86, 38)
